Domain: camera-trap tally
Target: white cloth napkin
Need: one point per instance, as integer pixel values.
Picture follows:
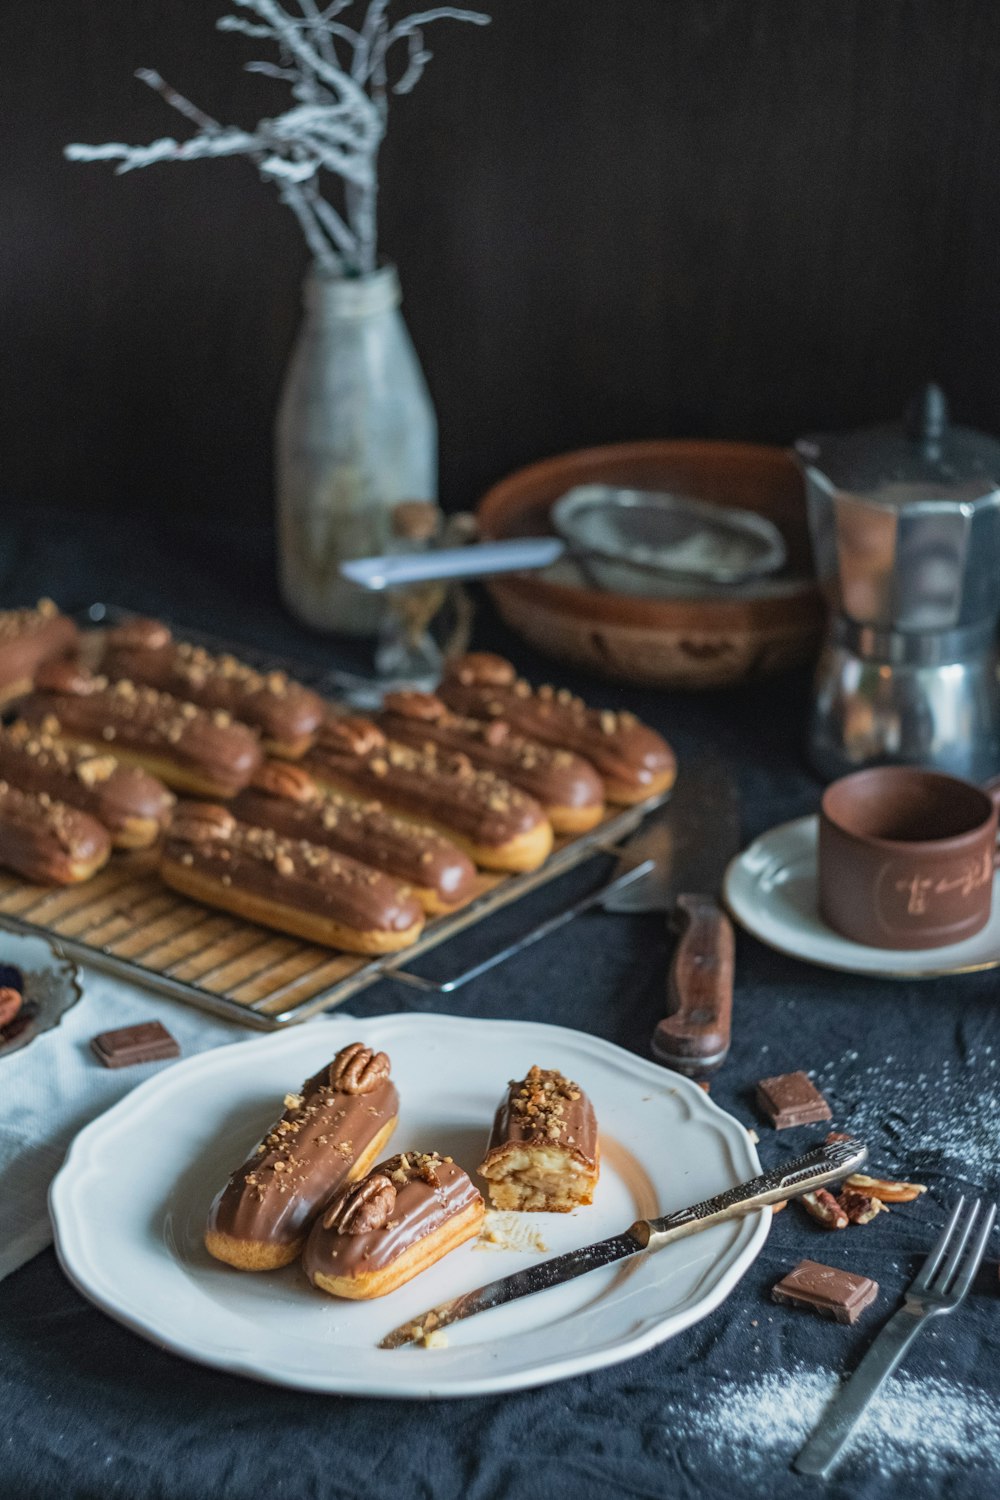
(55, 1086)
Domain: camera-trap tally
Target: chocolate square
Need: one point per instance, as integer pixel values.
(146, 1042)
(831, 1292)
(791, 1099)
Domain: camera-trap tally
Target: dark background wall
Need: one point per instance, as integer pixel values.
(628, 219)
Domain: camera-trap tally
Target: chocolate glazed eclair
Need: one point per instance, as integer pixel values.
(48, 842)
(543, 1153)
(497, 825)
(29, 637)
(567, 786)
(202, 753)
(403, 1217)
(634, 761)
(286, 713)
(289, 800)
(329, 1135)
(132, 805)
(288, 884)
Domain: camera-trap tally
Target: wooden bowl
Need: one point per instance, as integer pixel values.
(665, 642)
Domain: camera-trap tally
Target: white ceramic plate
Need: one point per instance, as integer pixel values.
(129, 1205)
(771, 891)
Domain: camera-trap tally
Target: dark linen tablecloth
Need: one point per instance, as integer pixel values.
(88, 1409)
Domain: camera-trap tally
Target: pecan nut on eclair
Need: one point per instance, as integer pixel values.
(331, 1132)
(203, 752)
(132, 805)
(29, 637)
(48, 842)
(384, 1230)
(543, 1153)
(288, 884)
(497, 825)
(567, 786)
(288, 799)
(286, 713)
(634, 761)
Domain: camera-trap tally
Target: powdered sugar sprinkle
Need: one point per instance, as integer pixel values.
(919, 1426)
(943, 1119)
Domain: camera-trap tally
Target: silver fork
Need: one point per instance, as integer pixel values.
(939, 1287)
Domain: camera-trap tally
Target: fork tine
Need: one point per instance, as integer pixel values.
(978, 1250)
(922, 1279)
(953, 1259)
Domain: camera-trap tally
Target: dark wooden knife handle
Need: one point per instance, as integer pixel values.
(694, 1036)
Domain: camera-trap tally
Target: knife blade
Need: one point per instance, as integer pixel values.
(690, 840)
(827, 1163)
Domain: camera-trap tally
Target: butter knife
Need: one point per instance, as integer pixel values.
(827, 1163)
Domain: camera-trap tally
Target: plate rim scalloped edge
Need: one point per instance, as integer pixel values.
(741, 1257)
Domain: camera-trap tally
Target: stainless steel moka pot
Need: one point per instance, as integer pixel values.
(905, 525)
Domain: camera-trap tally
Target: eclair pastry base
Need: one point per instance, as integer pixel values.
(283, 917)
(524, 852)
(530, 1178)
(263, 1255)
(417, 1257)
(624, 794)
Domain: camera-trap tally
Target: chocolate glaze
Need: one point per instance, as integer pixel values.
(43, 839)
(555, 777)
(29, 637)
(417, 856)
(618, 744)
(84, 776)
(140, 720)
(302, 1161)
(425, 783)
(209, 841)
(429, 1190)
(544, 1109)
(144, 651)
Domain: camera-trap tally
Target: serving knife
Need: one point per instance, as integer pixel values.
(690, 841)
(827, 1163)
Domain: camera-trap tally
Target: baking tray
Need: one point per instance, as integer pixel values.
(126, 922)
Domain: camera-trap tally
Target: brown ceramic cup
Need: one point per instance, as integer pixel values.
(906, 857)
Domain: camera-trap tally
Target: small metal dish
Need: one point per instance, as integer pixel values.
(628, 540)
(51, 988)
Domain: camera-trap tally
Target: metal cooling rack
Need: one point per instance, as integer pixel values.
(127, 923)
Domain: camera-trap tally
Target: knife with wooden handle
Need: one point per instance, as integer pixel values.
(690, 841)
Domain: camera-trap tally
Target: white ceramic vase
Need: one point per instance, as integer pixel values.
(356, 433)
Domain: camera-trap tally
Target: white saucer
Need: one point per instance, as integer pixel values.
(129, 1208)
(771, 891)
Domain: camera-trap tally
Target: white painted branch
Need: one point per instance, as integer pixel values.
(336, 124)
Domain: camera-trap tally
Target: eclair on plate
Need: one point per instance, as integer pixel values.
(381, 1232)
(543, 1153)
(331, 1132)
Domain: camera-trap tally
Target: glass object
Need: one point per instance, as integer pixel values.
(356, 434)
(407, 653)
